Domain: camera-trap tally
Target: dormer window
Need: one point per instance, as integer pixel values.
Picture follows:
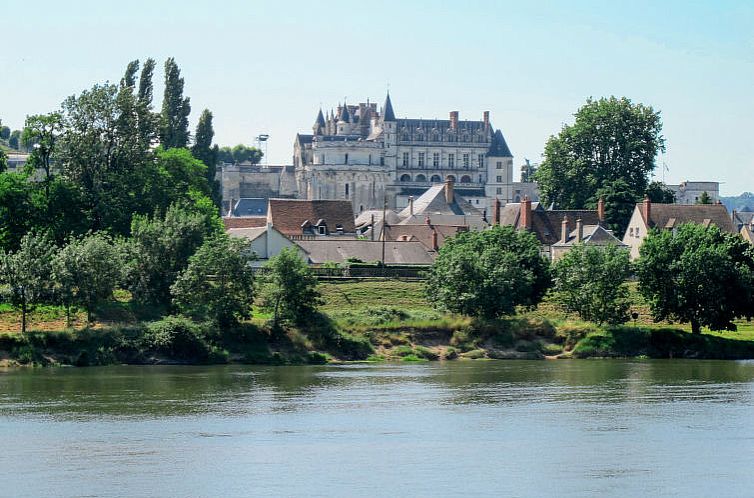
(322, 230)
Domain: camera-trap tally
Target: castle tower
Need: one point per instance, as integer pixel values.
(319, 124)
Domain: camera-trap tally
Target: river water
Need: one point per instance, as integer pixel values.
(484, 428)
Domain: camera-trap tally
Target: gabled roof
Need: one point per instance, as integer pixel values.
(249, 234)
(672, 215)
(595, 235)
(433, 201)
(303, 139)
(423, 233)
(499, 147)
(245, 222)
(387, 110)
(250, 206)
(339, 250)
(547, 224)
(741, 218)
(289, 215)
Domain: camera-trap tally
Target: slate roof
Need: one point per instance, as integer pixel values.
(245, 222)
(320, 121)
(595, 235)
(741, 218)
(387, 110)
(396, 253)
(302, 138)
(547, 224)
(499, 147)
(669, 216)
(289, 215)
(432, 201)
(250, 206)
(423, 233)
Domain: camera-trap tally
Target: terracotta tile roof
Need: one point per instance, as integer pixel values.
(245, 222)
(289, 215)
(546, 224)
(423, 233)
(671, 215)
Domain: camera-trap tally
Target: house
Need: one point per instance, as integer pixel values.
(265, 242)
(250, 206)
(741, 219)
(298, 218)
(441, 204)
(245, 222)
(334, 250)
(369, 223)
(747, 232)
(546, 224)
(648, 215)
(431, 235)
(588, 235)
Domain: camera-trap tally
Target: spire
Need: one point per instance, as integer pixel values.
(344, 115)
(387, 111)
(499, 148)
(320, 121)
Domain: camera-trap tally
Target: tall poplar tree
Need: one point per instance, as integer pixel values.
(205, 152)
(175, 109)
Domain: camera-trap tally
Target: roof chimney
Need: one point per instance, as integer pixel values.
(486, 119)
(427, 221)
(434, 240)
(646, 210)
(601, 209)
(564, 230)
(372, 224)
(496, 212)
(411, 205)
(449, 191)
(453, 120)
(525, 222)
(579, 231)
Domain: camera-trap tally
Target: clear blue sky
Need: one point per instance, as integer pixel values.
(265, 67)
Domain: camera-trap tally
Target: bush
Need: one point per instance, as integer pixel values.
(177, 337)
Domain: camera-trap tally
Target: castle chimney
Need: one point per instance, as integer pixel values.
(428, 221)
(525, 223)
(449, 191)
(564, 230)
(486, 119)
(579, 231)
(230, 208)
(411, 205)
(372, 222)
(601, 209)
(453, 120)
(496, 212)
(647, 209)
(435, 246)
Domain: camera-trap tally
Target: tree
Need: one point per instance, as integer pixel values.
(704, 199)
(4, 132)
(175, 109)
(218, 283)
(14, 139)
(659, 193)
(129, 77)
(487, 274)
(159, 250)
(17, 209)
(26, 274)
(3, 161)
(148, 121)
(611, 140)
(591, 280)
(205, 152)
(619, 205)
(85, 272)
(289, 289)
(239, 153)
(698, 275)
(40, 135)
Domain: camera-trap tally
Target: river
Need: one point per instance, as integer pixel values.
(475, 428)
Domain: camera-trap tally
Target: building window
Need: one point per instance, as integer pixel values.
(435, 179)
(346, 191)
(405, 137)
(421, 178)
(466, 161)
(451, 178)
(346, 159)
(421, 159)
(419, 137)
(382, 160)
(436, 159)
(499, 190)
(465, 179)
(435, 137)
(405, 158)
(405, 178)
(499, 165)
(480, 160)
(499, 179)
(631, 232)
(451, 160)
(322, 230)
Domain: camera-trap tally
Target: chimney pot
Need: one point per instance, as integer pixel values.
(601, 209)
(564, 230)
(579, 231)
(449, 191)
(647, 209)
(372, 224)
(496, 212)
(434, 240)
(411, 205)
(525, 223)
(453, 120)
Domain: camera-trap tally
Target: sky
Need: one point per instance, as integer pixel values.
(267, 66)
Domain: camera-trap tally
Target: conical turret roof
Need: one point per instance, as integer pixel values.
(387, 110)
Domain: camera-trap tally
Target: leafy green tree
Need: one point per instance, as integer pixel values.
(591, 281)
(487, 274)
(3, 161)
(289, 289)
(4, 132)
(704, 199)
(17, 209)
(239, 153)
(148, 120)
(611, 140)
(40, 134)
(218, 283)
(86, 272)
(14, 141)
(129, 77)
(697, 275)
(619, 205)
(25, 274)
(659, 193)
(174, 130)
(159, 250)
(205, 152)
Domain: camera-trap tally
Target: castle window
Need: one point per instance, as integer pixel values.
(480, 160)
(421, 178)
(419, 137)
(435, 137)
(499, 190)
(421, 159)
(451, 178)
(466, 161)
(499, 165)
(465, 179)
(405, 178)
(451, 160)
(499, 179)
(465, 137)
(346, 160)
(323, 230)
(451, 137)
(382, 160)
(405, 137)
(435, 179)
(436, 159)
(346, 191)
(405, 158)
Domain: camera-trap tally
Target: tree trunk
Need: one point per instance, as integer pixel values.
(23, 318)
(696, 328)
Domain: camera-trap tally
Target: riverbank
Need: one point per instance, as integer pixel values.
(359, 321)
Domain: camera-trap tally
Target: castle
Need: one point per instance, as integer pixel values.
(370, 157)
